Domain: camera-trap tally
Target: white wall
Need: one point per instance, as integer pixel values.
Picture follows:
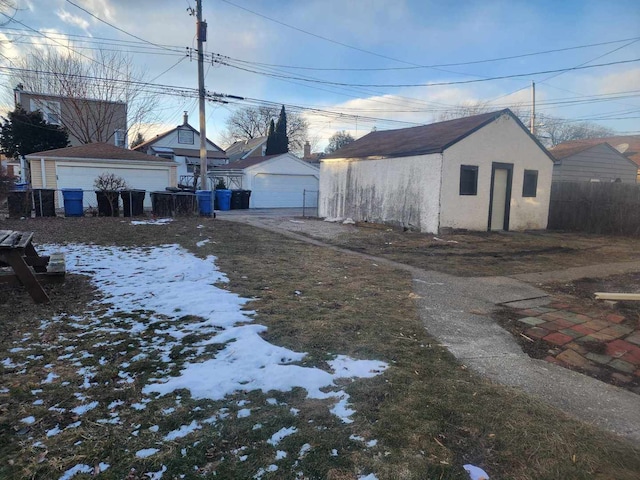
(402, 191)
(501, 141)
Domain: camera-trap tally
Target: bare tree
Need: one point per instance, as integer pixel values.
(553, 130)
(338, 140)
(468, 109)
(110, 79)
(252, 122)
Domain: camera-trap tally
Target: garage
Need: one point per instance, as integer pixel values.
(78, 167)
(275, 181)
(137, 177)
(281, 191)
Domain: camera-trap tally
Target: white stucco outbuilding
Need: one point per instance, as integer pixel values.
(275, 181)
(78, 167)
(485, 172)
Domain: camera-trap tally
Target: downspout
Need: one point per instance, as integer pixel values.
(43, 173)
(23, 169)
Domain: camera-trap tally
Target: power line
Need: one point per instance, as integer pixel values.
(457, 64)
(114, 26)
(436, 84)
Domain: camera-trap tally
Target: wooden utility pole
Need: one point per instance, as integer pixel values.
(201, 34)
(532, 128)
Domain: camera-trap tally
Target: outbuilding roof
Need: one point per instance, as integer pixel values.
(425, 139)
(104, 151)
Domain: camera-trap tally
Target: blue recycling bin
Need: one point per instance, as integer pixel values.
(72, 202)
(204, 202)
(224, 199)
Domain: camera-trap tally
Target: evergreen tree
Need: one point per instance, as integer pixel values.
(272, 142)
(27, 132)
(281, 132)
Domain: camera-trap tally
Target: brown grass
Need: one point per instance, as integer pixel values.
(429, 414)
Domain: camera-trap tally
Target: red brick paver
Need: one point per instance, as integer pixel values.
(624, 351)
(615, 318)
(558, 338)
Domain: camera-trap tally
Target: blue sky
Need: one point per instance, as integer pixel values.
(366, 34)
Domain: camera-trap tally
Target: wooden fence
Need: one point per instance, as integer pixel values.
(609, 208)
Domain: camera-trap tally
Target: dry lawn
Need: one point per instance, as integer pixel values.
(429, 414)
(473, 254)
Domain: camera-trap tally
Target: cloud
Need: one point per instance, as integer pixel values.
(71, 19)
(619, 82)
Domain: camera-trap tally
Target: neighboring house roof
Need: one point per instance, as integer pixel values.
(104, 151)
(149, 143)
(244, 148)
(248, 162)
(628, 146)
(422, 140)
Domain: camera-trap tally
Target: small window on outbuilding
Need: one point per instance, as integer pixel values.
(468, 179)
(530, 183)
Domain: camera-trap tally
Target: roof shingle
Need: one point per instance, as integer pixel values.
(105, 151)
(404, 142)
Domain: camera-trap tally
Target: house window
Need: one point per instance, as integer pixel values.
(185, 136)
(191, 168)
(50, 110)
(120, 138)
(530, 183)
(468, 180)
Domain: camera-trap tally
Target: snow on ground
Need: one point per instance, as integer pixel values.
(170, 281)
(162, 286)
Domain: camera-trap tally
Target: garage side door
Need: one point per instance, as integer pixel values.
(83, 177)
(280, 191)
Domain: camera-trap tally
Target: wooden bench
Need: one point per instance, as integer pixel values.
(20, 264)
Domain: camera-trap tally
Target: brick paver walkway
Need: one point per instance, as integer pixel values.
(590, 339)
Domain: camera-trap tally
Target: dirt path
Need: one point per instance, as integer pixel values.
(455, 311)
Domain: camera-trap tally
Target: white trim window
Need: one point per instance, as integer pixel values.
(50, 110)
(120, 138)
(185, 136)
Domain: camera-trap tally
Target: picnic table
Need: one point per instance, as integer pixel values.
(20, 264)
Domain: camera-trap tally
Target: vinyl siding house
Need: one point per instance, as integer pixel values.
(586, 161)
(485, 172)
(78, 167)
(87, 120)
(182, 145)
(242, 149)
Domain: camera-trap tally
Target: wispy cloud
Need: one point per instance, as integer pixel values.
(72, 19)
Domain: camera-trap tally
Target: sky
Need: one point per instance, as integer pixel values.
(362, 64)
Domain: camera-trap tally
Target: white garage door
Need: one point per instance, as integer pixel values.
(279, 191)
(149, 179)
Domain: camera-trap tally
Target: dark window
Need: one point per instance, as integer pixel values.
(468, 180)
(530, 183)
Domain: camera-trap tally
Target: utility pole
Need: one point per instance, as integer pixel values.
(201, 33)
(532, 128)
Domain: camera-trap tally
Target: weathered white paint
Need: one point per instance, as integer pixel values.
(401, 191)
(503, 141)
(280, 181)
(423, 192)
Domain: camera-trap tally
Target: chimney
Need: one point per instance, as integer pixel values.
(185, 118)
(307, 150)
